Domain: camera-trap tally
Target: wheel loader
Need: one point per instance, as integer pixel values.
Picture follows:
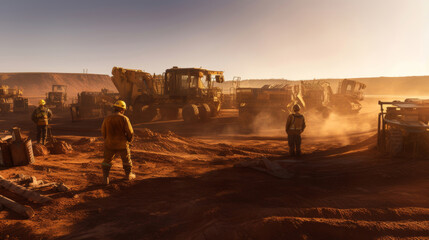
(56, 99)
(186, 90)
(403, 128)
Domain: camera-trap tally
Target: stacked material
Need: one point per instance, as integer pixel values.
(15, 150)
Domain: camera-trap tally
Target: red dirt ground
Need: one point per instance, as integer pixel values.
(188, 187)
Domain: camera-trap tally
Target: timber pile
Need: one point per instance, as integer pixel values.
(26, 186)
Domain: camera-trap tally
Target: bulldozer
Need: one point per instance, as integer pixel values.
(403, 128)
(190, 91)
(93, 104)
(11, 100)
(348, 97)
(56, 100)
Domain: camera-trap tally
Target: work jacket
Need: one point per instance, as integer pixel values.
(41, 116)
(117, 131)
(295, 124)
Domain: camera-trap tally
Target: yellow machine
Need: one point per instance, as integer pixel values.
(190, 90)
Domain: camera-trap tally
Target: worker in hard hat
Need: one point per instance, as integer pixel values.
(41, 116)
(295, 125)
(117, 133)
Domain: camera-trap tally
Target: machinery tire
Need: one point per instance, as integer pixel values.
(169, 113)
(394, 142)
(214, 109)
(144, 113)
(204, 112)
(190, 113)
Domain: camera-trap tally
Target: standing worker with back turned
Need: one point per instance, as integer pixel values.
(41, 116)
(117, 133)
(295, 125)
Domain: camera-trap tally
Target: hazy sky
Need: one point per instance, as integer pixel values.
(292, 39)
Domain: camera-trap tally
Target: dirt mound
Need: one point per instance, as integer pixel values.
(38, 84)
(60, 147)
(168, 142)
(40, 150)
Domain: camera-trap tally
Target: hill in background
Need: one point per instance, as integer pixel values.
(410, 86)
(38, 84)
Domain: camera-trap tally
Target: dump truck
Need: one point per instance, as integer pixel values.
(403, 127)
(189, 91)
(270, 100)
(11, 100)
(93, 104)
(56, 99)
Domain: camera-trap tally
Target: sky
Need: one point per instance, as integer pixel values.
(290, 39)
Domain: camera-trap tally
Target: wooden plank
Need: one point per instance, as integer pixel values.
(22, 210)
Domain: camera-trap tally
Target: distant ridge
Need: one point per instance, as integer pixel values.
(413, 85)
(38, 83)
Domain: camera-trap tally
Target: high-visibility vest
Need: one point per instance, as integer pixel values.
(297, 122)
(42, 116)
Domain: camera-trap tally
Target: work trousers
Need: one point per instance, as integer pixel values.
(42, 134)
(125, 155)
(294, 141)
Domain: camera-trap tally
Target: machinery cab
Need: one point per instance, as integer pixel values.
(190, 82)
(58, 95)
(351, 88)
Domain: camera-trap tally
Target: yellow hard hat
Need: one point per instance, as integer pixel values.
(42, 102)
(120, 104)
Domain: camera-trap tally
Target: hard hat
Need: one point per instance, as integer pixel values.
(120, 104)
(296, 108)
(42, 102)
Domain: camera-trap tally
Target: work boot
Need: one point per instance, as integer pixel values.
(130, 176)
(106, 171)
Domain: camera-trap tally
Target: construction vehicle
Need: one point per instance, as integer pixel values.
(348, 97)
(312, 96)
(93, 104)
(56, 100)
(277, 101)
(11, 100)
(270, 101)
(186, 90)
(403, 127)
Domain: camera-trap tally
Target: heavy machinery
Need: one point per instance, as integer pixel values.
(403, 127)
(11, 100)
(189, 90)
(276, 101)
(348, 97)
(270, 100)
(312, 96)
(56, 100)
(93, 104)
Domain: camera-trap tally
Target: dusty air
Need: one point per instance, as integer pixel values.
(214, 119)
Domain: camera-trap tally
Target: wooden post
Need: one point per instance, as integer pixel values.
(22, 191)
(22, 210)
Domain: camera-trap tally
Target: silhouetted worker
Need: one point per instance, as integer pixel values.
(117, 133)
(295, 125)
(41, 116)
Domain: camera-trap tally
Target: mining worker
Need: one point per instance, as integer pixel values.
(117, 133)
(41, 116)
(295, 125)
